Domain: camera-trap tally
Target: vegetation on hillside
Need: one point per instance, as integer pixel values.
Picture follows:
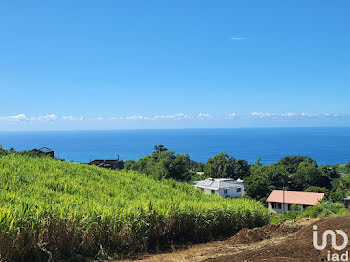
(299, 173)
(296, 173)
(323, 210)
(12, 151)
(344, 168)
(51, 208)
(163, 163)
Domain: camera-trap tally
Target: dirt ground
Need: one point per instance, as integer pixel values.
(287, 241)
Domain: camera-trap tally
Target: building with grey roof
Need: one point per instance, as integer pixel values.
(225, 187)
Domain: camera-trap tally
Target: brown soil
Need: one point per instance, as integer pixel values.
(287, 241)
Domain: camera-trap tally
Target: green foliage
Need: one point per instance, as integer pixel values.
(291, 163)
(343, 184)
(317, 189)
(337, 196)
(347, 168)
(128, 164)
(330, 171)
(322, 210)
(344, 168)
(3, 152)
(160, 148)
(163, 163)
(264, 179)
(30, 153)
(258, 185)
(307, 175)
(64, 208)
(223, 166)
(298, 173)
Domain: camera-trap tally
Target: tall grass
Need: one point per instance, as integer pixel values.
(51, 209)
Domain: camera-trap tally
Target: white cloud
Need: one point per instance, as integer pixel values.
(135, 117)
(291, 115)
(113, 118)
(238, 38)
(20, 117)
(73, 118)
(23, 117)
(51, 117)
(261, 114)
(204, 116)
(178, 116)
(232, 115)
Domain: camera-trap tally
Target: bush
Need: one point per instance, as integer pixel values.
(318, 190)
(337, 196)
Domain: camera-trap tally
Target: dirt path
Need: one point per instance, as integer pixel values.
(288, 241)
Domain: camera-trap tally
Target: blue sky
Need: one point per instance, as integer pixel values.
(173, 64)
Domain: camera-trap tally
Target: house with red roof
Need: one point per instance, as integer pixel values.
(281, 201)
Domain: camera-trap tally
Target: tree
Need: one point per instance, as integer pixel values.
(163, 163)
(317, 189)
(160, 148)
(347, 168)
(291, 163)
(307, 175)
(223, 166)
(257, 185)
(3, 152)
(337, 196)
(128, 164)
(257, 162)
(330, 171)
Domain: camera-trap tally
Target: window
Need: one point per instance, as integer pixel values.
(225, 191)
(276, 205)
(289, 206)
(239, 189)
(213, 191)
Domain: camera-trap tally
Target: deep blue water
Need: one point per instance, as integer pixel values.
(326, 145)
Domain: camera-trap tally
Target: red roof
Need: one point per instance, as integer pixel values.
(295, 197)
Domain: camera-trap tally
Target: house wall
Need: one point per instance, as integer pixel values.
(208, 191)
(284, 208)
(232, 192)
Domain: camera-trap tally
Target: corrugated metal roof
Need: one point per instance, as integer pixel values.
(217, 183)
(295, 197)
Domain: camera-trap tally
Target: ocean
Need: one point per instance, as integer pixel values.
(325, 145)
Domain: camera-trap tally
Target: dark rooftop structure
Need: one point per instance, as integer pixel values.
(108, 163)
(45, 151)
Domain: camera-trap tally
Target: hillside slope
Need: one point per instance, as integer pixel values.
(287, 241)
(51, 208)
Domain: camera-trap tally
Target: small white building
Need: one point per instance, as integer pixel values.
(225, 187)
(281, 201)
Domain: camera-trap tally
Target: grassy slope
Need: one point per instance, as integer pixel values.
(54, 208)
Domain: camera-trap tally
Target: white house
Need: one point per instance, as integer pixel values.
(281, 201)
(225, 187)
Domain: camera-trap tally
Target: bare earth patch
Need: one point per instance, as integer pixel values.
(285, 241)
